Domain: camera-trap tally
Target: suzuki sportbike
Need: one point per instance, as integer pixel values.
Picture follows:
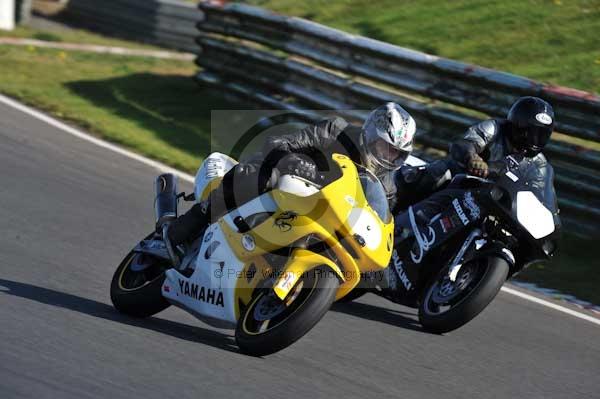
(271, 268)
(452, 265)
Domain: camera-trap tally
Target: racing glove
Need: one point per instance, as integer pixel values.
(298, 165)
(496, 168)
(476, 166)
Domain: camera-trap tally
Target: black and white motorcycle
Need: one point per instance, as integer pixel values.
(453, 265)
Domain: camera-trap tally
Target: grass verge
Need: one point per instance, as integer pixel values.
(150, 105)
(573, 271)
(553, 41)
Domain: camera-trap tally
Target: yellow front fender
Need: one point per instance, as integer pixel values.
(301, 261)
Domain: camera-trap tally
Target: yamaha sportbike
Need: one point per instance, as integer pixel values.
(272, 267)
(451, 265)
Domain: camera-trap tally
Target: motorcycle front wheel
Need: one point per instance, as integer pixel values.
(268, 324)
(352, 295)
(447, 305)
(136, 285)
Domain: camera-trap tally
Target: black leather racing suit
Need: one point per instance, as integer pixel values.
(249, 179)
(488, 139)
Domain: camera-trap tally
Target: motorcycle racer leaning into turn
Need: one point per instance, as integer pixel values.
(524, 133)
(382, 145)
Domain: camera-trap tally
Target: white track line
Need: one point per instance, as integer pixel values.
(551, 305)
(184, 176)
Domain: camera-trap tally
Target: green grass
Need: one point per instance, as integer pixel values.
(573, 271)
(150, 105)
(72, 36)
(552, 41)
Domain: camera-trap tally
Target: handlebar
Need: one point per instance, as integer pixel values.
(497, 168)
(477, 178)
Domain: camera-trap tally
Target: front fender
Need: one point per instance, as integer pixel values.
(493, 248)
(301, 261)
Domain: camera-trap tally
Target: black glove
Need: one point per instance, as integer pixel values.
(496, 169)
(298, 165)
(476, 166)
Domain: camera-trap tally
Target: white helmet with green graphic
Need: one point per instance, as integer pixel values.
(388, 135)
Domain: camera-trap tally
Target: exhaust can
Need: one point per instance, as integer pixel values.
(165, 203)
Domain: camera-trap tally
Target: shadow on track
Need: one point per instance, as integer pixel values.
(375, 313)
(101, 310)
(174, 108)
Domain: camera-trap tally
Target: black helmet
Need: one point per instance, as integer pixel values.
(532, 123)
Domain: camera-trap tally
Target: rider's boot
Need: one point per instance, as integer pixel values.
(394, 280)
(171, 236)
(395, 283)
(175, 252)
(189, 226)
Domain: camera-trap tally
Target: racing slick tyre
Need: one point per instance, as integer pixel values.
(268, 324)
(136, 286)
(446, 305)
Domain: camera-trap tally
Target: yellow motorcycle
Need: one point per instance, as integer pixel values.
(271, 268)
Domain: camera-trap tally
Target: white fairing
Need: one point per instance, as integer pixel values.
(263, 203)
(209, 293)
(297, 186)
(364, 223)
(414, 161)
(214, 166)
(533, 215)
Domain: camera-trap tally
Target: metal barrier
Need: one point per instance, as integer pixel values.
(291, 63)
(164, 22)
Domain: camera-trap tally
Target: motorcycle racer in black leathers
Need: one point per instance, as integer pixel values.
(382, 145)
(525, 132)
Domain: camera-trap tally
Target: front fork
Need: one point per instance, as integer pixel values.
(457, 262)
(483, 247)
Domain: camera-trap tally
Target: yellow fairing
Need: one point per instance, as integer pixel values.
(338, 215)
(253, 274)
(214, 183)
(302, 261)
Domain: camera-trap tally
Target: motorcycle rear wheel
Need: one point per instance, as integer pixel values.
(136, 285)
(446, 306)
(268, 324)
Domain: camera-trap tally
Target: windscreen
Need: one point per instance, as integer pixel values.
(374, 193)
(531, 190)
(539, 181)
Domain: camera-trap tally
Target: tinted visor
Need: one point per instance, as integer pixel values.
(536, 137)
(387, 155)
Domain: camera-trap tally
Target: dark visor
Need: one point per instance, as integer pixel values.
(538, 136)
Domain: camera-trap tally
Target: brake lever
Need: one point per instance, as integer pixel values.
(479, 179)
(497, 168)
(186, 197)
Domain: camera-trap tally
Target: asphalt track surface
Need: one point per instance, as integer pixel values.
(70, 210)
